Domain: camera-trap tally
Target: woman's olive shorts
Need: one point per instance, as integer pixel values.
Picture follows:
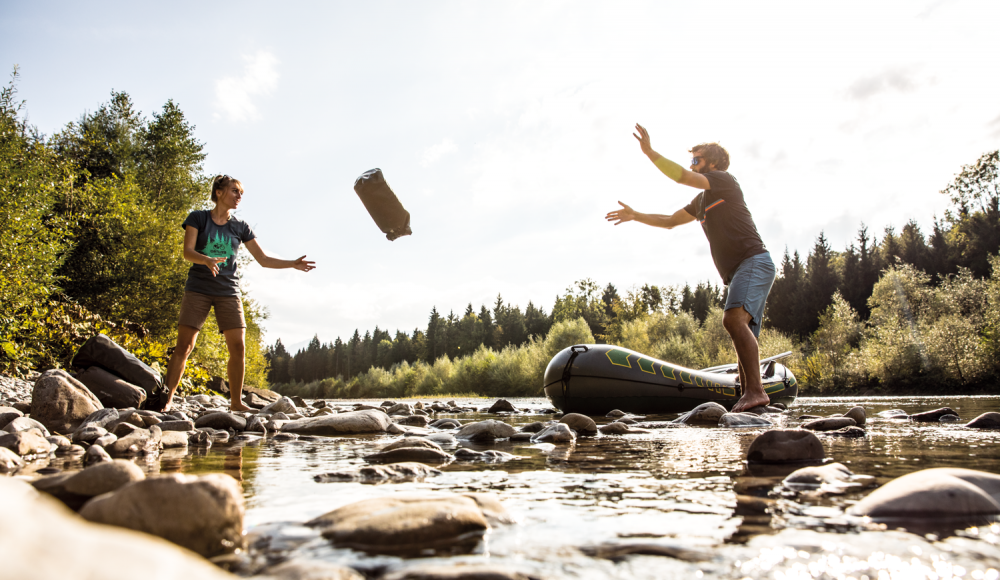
(228, 311)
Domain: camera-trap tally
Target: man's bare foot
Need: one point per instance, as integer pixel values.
(234, 407)
(749, 401)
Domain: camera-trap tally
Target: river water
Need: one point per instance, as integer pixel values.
(681, 491)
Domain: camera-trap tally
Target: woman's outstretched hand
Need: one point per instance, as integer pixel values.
(626, 214)
(303, 264)
(643, 137)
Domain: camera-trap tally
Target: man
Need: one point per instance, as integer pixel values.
(739, 254)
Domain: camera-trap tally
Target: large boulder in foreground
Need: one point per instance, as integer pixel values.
(989, 420)
(351, 423)
(60, 402)
(944, 492)
(582, 424)
(407, 524)
(786, 446)
(34, 523)
(201, 513)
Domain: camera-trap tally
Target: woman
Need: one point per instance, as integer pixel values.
(212, 240)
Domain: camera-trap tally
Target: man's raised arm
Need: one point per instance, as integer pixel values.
(668, 167)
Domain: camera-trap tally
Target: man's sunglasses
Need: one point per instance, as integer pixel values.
(695, 161)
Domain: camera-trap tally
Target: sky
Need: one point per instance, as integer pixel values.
(505, 129)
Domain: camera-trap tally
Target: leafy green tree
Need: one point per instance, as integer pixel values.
(975, 223)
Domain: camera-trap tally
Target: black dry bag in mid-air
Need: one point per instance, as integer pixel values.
(382, 204)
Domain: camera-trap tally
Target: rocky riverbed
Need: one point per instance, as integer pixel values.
(476, 488)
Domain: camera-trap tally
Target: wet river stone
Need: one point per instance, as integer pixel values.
(174, 439)
(829, 424)
(103, 477)
(555, 433)
(396, 472)
(535, 427)
(785, 446)
(932, 416)
(743, 420)
(33, 523)
(419, 454)
(210, 524)
(177, 425)
(89, 432)
(405, 523)
(25, 423)
(103, 418)
(944, 492)
(9, 461)
(412, 442)
(848, 432)
(485, 431)
(985, 421)
(502, 406)
(8, 414)
(446, 424)
(816, 475)
(311, 570)
(95, 454)
(60, 402)
(858, 414)
(27, 443)
(414, 420)
(461, 571)
(490, 455)
(582, 424)
(283, 405)
(354, 422)
(137, 441)
(618, 428)
(221, 420)
(704, 414)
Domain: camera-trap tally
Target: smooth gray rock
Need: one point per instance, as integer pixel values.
(410, 454)
(354, 422)
(9, 461)
(424, 571)
(221, 420)
(786, 446)
(63, 444)
(33, 523)
(555, 433)
(411, 442)
(175, 425)
(23, 424)
(60, 402)
(174, 439)
(89, 432)
(404, 409)
(446, 424)
(8, 414)
(858, 414)
(709, 413)
(734, 420)
(413, 420)
(210, 524)
(103, 477)
(618, 428)
(396, 472)
(988, 420)
(488, 430)
(111, 390)
(95, 454)
(311, 570)
(932, 494)
(502, 406)
(407, 523)
(582, 424)
(27, 443)
(256, 425)
(614, 414)
(829, 424)
(490, 455)
(105, 440)
(283, 405)
(139, 441)
(932, 416)
(816, 475)
(535, 427)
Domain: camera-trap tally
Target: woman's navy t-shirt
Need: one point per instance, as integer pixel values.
(727, 222)
(216, 241)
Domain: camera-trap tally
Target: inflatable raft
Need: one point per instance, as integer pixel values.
(594, 379)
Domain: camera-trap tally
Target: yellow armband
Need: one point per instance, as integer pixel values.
(669, 168)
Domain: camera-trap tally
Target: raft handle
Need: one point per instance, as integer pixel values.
(582, 346)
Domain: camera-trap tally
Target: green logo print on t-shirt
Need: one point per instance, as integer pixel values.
(219, 247)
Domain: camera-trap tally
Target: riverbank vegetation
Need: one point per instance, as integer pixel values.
(90, 238)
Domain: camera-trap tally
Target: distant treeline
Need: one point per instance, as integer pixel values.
(90, 237)
(830, 308)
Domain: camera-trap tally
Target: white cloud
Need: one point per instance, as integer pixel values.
(234, 95)
(434, 153)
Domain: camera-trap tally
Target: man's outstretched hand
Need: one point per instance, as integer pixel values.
(626, 214)
(643, 137)
(303, 264)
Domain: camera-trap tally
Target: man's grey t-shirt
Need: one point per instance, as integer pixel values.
(216, 241)
(728, 225)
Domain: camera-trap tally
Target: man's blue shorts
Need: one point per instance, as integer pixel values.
(750, 286)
